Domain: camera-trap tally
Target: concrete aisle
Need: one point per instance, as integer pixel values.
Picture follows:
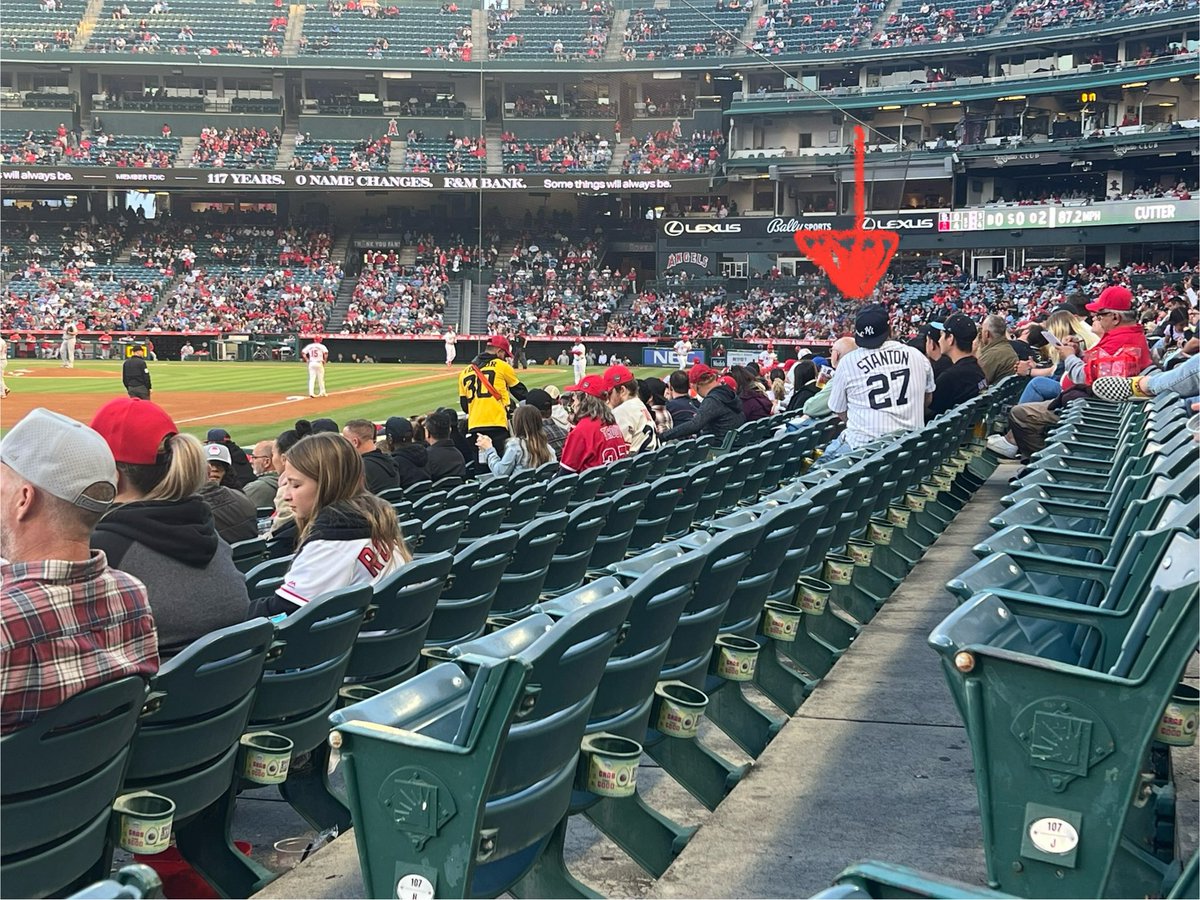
(875, 764)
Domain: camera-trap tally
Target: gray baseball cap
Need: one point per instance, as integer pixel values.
(62, 457)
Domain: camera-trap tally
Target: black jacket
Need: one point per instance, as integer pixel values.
(719, 413)
(381, 472)
(134, 373)
(682, 409)
(411, 461)
(802, 395)
(234, 514)
(241, 464)
(445, 461)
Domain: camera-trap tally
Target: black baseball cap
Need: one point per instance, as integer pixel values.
(540, 400)
(961, 328)
(217, 435)
(397, 428)
(871, 326)
(325, 425)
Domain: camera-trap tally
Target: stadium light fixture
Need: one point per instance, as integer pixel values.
(1012, 97)
(928, 105)
(1133, 84)
(956, 103)
(1174, 80)
(1166, 105)
(890, 107)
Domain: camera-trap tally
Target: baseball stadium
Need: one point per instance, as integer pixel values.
(599, 448)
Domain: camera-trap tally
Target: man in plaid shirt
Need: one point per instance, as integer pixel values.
(67, 621)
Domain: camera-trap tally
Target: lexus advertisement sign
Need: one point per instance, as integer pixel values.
(783, 227)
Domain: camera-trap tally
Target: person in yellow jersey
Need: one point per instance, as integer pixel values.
(487, 388)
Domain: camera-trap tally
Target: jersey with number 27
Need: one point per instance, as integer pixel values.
(881, 391)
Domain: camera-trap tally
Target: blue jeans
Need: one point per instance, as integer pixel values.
(1041, 387)
(837, 447)
(1184, 380)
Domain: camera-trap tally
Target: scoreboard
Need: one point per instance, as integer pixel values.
(1114, 212)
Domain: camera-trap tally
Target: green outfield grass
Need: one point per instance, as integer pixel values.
(253, 401)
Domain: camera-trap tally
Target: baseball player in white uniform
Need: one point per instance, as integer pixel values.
(67, 351)
(579, 360)
(317, 355)
(451, 339)
(880, 388)
(767, 359)
(682, 348)
(3, 366)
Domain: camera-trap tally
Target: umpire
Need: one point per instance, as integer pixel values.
(135, 375)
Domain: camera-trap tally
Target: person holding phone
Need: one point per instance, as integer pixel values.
(1066, 358)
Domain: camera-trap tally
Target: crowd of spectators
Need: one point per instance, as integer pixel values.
(668, 151)
(96, 300)
(359, 156)
(236, 148)
(1180, 190)
(1035, 15)
(72, 147)
(394, 299)
(569, 153)
(831, 25)
(559, 289)
(248, 299)
(592, 19)
(456, 156)
(178, 247)
(934, 24)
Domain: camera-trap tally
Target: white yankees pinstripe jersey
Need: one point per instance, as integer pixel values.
(881, 391)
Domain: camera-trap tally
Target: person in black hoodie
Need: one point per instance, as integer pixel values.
(720, 409)
(243, 471)
(679, 400)
(445, 460)
(161, 531)
(804, 376)
(380, 469)
(410, 457)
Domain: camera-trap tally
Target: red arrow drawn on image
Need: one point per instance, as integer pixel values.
(854, 260)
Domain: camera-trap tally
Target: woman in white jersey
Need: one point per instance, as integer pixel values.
(346, 535)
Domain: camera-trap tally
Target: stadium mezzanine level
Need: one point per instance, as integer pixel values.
(975, 88)
(1181, 19)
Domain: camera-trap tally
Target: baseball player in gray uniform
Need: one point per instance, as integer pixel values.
(880, 388)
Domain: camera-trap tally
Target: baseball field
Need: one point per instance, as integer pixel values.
(254, 400)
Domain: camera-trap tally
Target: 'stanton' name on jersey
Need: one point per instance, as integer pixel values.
(883, 357)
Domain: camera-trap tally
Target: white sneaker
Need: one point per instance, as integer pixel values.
(1001, 446)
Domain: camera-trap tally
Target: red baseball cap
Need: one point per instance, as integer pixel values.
(134, 429)
(1114, 297)
(729, 382)
(500, 341)
(700, 372)
(614, 376)
(593, 385)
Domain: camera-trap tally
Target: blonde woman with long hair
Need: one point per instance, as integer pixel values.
(161, 531)
(346, 535)
(1066, 358)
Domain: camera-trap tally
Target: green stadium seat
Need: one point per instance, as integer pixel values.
(61, 775)
(523, 505)
(652, 520)
(387, 651)
(527, 777)
(440, 532)
(187, 748)
(1072, 813)
(571, 562)
(613, 539)
(465, 602)
(485, 517)
(299, 690)
(521, 584)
